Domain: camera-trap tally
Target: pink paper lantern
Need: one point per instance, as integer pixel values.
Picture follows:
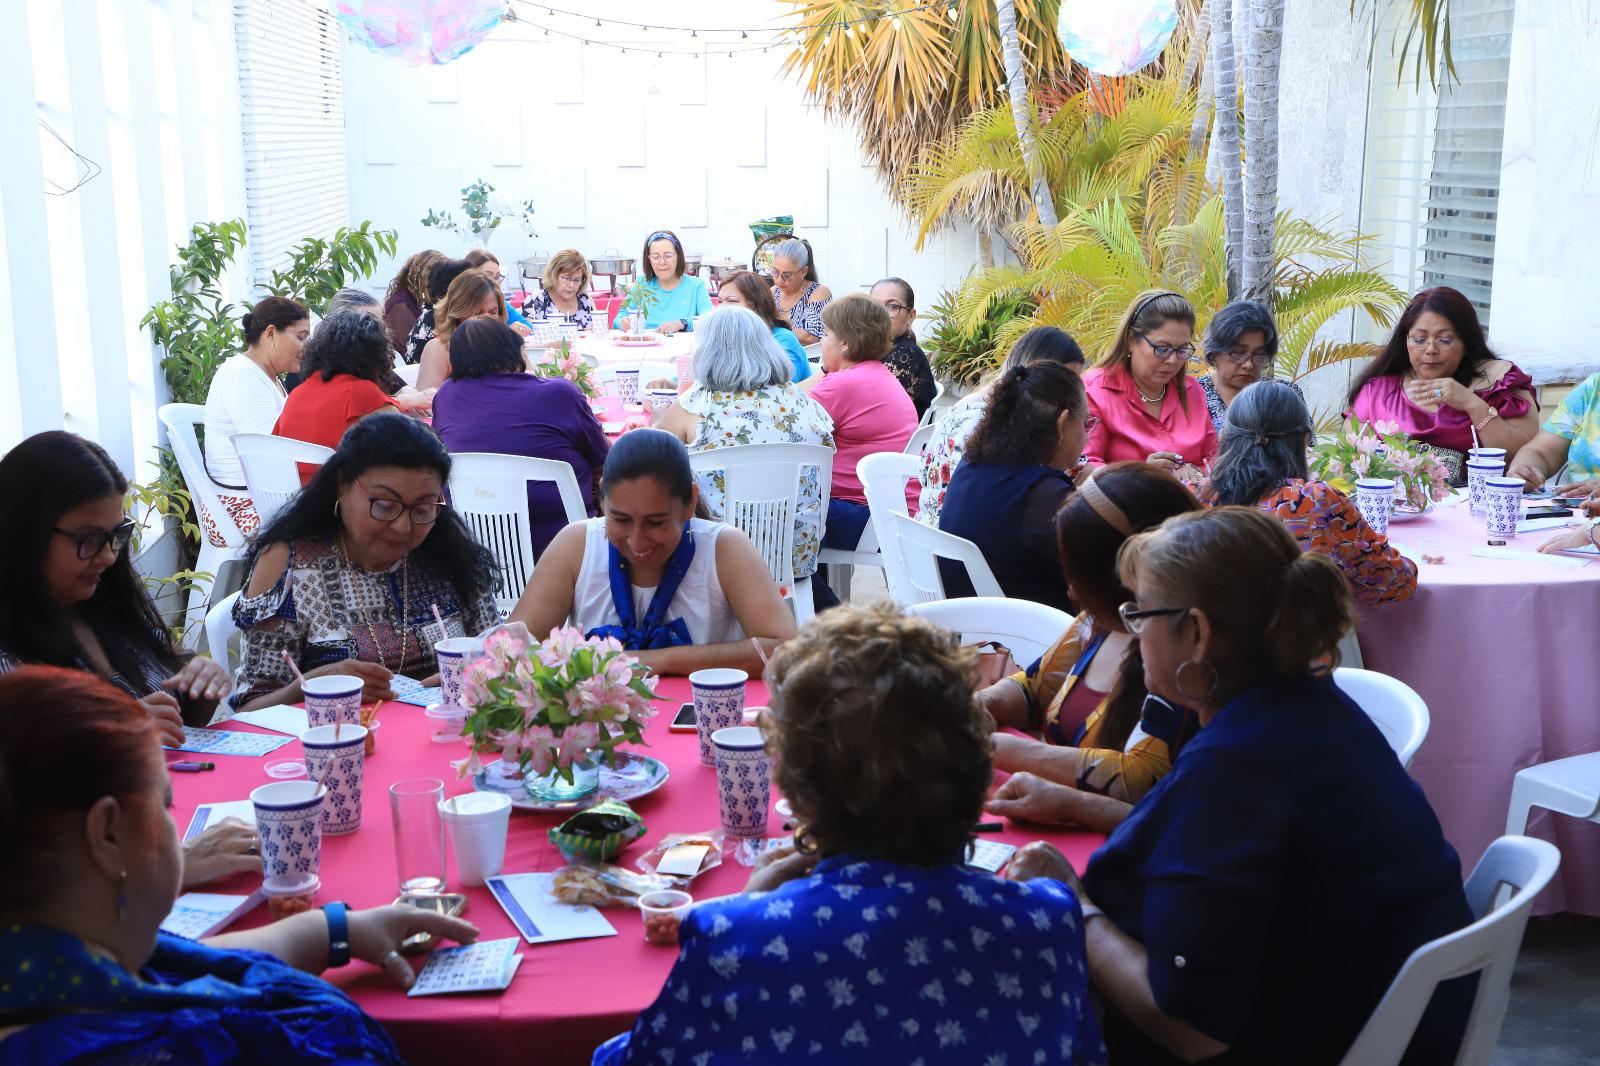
(419, 31)
(1116, 37)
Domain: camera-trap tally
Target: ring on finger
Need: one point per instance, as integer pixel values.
(389, 956)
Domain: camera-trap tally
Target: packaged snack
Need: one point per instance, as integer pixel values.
(598, 884)
(681, 857)
(598, 833)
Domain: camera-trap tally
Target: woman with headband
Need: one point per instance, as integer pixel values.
(1149, 407)
(677, 297)
(1091, 725)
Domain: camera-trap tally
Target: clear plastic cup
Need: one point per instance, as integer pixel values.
(445, 723)
(663, 911)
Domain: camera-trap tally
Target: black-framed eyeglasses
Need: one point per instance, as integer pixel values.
(1166, 351)
(1134, 620)
(383, 509)
(1260, 360)
(894, 307)
(92, 544)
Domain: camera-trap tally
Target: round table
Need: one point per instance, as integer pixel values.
(567, 997)
(1502, 650)
(607, 351)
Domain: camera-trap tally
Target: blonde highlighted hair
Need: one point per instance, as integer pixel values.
(565, 262)
(861, 324)
(462, 301)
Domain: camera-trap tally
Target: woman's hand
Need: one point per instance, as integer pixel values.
(522, 329)
(374, 677)
(1042, 859)
(1432, 394)
(1590, 487)
(202, 678)
(169, 718)
(779, 866)
(376, 936)
(1571, 537)
(227, 848)
(1532, 477)
(409, 399)
(1027, 797)
(1165, 460)
(671, 327)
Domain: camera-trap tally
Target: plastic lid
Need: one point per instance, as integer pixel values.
(474, 805)
(286, 768)
(295, 885)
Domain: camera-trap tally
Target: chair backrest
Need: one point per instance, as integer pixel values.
(919, 440)
(920, 547)
(1394, 707)
(220, 632)
(408, 372)
(1027, 628)
(649, 370)
(180, 419)
(933, 405)
(883, 480)
(271, 468)
(761, 494)
(490, 493)
(1487, 947)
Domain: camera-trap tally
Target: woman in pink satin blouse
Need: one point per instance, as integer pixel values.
(1149, 408)
(1438, 380)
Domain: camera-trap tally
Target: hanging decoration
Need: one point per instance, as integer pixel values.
(419, 32)
(1116, 37)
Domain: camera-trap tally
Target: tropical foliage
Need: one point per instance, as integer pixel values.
(319, 267)
(962, 354)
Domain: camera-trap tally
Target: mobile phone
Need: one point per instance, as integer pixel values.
(447, 903)
(1547, 511)
(684, 720)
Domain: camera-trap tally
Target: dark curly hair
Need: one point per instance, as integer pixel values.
(348, 342)
(876, 737)
(1018, 425)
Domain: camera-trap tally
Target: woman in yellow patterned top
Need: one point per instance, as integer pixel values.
(1090, 722)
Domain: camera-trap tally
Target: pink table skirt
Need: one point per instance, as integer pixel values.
(1502, 650)
(566, 998)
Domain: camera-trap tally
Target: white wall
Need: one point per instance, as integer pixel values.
(611, 147)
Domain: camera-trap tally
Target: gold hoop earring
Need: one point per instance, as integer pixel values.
(1211, 689)
(803, 842)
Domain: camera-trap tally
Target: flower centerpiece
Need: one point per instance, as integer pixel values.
(1379, 449)
(555, 709)
(562, 362)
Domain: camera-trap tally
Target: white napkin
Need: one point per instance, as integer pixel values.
(1528, 557)
(280, 718)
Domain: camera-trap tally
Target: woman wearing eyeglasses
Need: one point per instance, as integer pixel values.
(565, 294)
(1438, 380)
(1150, 409)
(676, 297)
(799, 295)
(906, 360)
(346, 578)
(1240, 342)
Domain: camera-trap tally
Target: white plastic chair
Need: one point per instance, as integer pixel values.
(919, 440)
(920, 547)
(490, 493)
(1487, 947)
(407, 372)
(933, 405)
(761, 497)
(1567, 786)
(271, 470)
(221, 632)
(1394, 707)
(1027, 628)
(221, 539)
(649, 370)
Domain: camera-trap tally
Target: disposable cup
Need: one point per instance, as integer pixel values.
(1479, 470)
(289, 821)
(454, 653)
(332, 698)
(336, 759)
(1503, 506)
(628, 385)
(445, 722)
(663, 911)
(1375, 501)
(477, 823)
(685, 372)
(659, 399)
(718, 704)
(744, 781)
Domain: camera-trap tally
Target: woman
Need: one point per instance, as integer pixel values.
(799, 296)
(1570, 439)
(93, 869)
(1263, 464)
(1240, 342)
(942, 455)
(491, 405)
(487, 263)
(1005, 495)
(675, 297)
(872, 939)
(1149, 407)
(906, 359)
(1092, 726)
(1259, 901)
(742, 395)
(746, 289)
(1438, 380)
(247, 395)
(470, 295)
(407, 296)
(684, 593)
(565, 292)
(406, 397)
(440, 275)
(348, 577)
(870, 412)
(343, 366)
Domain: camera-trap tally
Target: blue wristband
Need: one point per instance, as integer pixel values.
(338, 934)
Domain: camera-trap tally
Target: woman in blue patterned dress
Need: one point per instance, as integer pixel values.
(871, 942)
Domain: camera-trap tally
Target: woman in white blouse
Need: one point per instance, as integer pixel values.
(246, 395)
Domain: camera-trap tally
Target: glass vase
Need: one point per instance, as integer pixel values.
(553, 788)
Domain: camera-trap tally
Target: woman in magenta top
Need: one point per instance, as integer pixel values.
(1438, 380)
(1148, 408)
(871, 413)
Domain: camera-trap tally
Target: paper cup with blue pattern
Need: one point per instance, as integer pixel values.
(1502, 506)
(289, 820)
(332, 698)
(744, 781)
(1375, 501)
(718, 704)
(1479, 470)
(336, 759)
(454, 655)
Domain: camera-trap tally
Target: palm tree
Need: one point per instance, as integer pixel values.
(1264, 48)
(1022, 111)
(1224, 78)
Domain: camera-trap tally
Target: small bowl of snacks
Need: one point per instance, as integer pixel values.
(663, 912)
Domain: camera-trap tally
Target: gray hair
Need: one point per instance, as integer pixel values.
(736, 352)
(1233, 322)
(1263, 443)
(353, 300)
(794, 250)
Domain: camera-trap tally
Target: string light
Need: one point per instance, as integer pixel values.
(950, 7)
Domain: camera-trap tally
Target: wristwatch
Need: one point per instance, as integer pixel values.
(687, 326)
(1589, 530)
(338, 934)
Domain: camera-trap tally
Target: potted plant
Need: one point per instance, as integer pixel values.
(1379, 449)
(483, 214)
(638, 297)
(563, 362)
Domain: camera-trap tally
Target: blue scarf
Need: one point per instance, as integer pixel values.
(652, 634)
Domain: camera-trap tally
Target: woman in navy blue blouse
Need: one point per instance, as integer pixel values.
(872, 943)
(1257, 903)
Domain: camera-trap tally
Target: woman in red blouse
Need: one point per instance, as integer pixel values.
(342, 364)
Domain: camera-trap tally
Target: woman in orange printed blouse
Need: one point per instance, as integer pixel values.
(1263, 464)
(1090, 722)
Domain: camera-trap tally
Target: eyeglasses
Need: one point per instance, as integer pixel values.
(1261, 360)
(92, 544)
(1134, 620)
(894, 307)
(1166, 351)
(1444, 344)
(663, 257)
(383, 509)
(570, 279)
(1090, 423)
(789, 275)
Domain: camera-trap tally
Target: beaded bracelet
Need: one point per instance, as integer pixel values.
(1490, 417)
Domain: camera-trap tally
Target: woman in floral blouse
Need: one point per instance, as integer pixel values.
(346, 579)
(1262, 463)
(742, 395)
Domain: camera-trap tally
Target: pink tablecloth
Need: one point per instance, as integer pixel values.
(1503, 651)
(566, 998)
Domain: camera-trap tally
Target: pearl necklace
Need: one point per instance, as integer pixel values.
(1157, 398)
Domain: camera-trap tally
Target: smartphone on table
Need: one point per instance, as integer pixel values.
(684, 720)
